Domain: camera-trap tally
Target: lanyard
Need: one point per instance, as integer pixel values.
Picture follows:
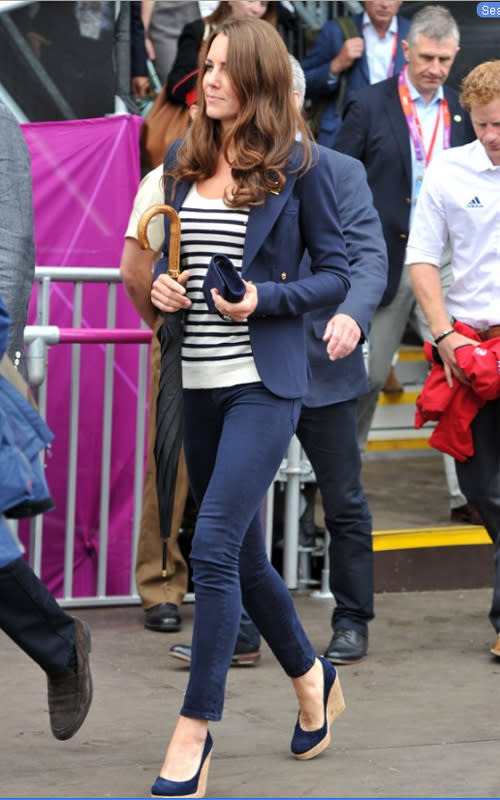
(413, 122)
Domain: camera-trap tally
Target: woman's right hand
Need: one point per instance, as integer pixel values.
(170, 295)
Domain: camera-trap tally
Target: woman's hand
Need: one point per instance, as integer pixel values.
(237, 312)
(169, 295)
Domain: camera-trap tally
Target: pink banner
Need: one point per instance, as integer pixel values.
(85, 175)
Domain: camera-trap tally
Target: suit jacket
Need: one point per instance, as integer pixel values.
(374, 130)
(316, 66)
(302, 216)
(345, 378)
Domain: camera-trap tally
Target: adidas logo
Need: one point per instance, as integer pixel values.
(475, 203)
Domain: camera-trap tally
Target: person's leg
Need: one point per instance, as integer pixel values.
(328, 436)
(479, 479)
(153, 589)
(388, 325)
(57, 642)
(235, 442)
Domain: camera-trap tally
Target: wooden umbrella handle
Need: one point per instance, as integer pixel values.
(174, 247)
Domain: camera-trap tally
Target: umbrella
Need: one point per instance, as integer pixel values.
(169, 410)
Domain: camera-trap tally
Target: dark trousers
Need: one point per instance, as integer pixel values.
(33, 619)
(328, 436)
(479, 479)
(234, 441)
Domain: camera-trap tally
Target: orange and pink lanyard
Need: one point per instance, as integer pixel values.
(413, 122)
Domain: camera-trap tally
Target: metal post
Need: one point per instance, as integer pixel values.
(73, 448)
(107, 425)
(292, 507)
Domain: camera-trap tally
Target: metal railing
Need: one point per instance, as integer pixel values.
(294, 470)
(38, 339)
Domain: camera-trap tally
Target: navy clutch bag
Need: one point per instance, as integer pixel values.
(223, 276)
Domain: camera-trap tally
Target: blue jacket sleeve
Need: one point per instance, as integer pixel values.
(366, 248)
(316, 64)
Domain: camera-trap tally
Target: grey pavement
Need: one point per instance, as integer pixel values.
(422, 714)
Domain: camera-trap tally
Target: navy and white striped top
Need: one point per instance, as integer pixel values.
(215, 352)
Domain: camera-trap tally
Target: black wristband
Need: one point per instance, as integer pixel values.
(443, 335)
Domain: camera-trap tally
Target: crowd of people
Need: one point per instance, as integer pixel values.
(333, 243)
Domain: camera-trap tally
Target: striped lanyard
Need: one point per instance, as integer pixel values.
(423, 156)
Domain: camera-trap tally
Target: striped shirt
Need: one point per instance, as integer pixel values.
(215, 352)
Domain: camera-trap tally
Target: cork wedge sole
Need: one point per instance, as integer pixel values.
(334, 707)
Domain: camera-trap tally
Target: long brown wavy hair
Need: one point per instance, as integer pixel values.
(264, 136)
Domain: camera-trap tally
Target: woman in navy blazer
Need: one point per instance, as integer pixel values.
(240, 177)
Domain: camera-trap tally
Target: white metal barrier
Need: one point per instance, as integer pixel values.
(38, 338)
(294, 471)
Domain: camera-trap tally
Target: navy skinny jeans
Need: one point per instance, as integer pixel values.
(234, 441)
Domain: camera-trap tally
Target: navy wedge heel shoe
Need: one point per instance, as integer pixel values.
(308, 744)
(194, 787)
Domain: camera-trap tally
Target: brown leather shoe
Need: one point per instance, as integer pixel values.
(496, 650)
(465, 514)
(70, 695)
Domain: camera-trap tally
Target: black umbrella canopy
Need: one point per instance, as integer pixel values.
(169, 408)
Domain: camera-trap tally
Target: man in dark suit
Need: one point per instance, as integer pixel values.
(335, 65)
(395, 145)
(328, 419)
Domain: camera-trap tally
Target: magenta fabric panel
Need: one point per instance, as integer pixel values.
(85, 175)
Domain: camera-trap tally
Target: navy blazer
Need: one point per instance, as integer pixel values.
(302, 216)
(345, 378)
(316, 66)
(374, 130)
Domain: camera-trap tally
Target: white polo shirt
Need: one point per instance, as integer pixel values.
(460, 197)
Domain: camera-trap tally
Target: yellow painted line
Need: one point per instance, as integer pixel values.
(380, 445)
(412, 538)
(411, 355)
(398, 398)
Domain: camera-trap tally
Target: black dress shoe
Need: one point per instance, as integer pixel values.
(164, 617)
(244, 654)
(346, 647)
(466, 514)
(70, 695)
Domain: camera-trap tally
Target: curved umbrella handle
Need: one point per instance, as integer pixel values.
(174, 247)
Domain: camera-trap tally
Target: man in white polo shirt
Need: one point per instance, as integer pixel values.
(460, 199)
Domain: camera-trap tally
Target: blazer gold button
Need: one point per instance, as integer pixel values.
(283, 276)
(408, 200)
(403, 236)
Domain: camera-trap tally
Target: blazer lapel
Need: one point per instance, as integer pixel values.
(363, 61)
(262, 218)
(398, 125)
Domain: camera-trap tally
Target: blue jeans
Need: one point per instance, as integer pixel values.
(234, 440)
